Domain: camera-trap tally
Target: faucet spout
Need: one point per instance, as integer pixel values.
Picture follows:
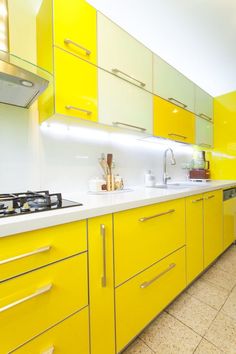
(172, 161)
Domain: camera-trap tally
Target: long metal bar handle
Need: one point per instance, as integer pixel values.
(210, 197)
(156, 215)
(69, 41)
(205, 116)
(180, 136)
(37, 293)
(104, 261)
(179, 102)
(24, 255)
(148, 283)
(117, 71)
(79, 109)
(130, 126)
(49, 350)
(197, 200)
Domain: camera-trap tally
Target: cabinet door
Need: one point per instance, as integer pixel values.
(173, 122)
(204, 132)
(194, 236)
(101, 285)
(203, 104)
(123, 104)
(75, 86)
(75, 28)
(172, 85)
(213, 226)
(229, 221)
(120, 53)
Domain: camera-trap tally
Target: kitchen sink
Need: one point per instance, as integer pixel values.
(175, 186)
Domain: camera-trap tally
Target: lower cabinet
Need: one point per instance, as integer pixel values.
(229, 222)
(69, 336)
(140, 299)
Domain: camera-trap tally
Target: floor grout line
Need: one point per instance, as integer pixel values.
(147, 344)
(193, 330)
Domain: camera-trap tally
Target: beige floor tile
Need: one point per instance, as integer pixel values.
(207, 292)
(206, 347)
(229, 307)
(167, 335)
(138, 347)
(227, 261)
(222, 333)
(193, 313)
(220, 278)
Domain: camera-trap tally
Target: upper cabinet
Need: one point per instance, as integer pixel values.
(204, 132)
(171, 85)
(203, 104)
(123, 55)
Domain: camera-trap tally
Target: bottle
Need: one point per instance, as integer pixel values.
(149, 179)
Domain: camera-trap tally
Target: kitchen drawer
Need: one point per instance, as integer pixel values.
(69, 336)
(143, 236)
(30, 250)
(33, 302)
(140, 299)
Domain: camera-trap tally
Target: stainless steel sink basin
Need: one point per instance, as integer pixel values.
(175, 186)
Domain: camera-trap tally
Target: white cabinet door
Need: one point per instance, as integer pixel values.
(203, 104)
(170, 84)
(204, 132)
(120, 53)
(123, 104)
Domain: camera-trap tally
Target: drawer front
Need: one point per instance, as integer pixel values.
(23, 252)
(144, 235)
(31, 303)
(70, 336)
(140, 299)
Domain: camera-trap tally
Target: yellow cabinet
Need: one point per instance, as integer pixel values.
(140, 299)
(142, 236)
(173, 122)
(229, 217)
(69, 336)
(194, 236)
(213, 226)
(101, 285)
(35, 301)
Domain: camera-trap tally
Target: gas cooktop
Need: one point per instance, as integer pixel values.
(31, 202)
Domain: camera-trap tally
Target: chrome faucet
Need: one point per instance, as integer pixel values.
(172, 161)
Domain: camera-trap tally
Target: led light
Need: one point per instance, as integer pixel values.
(3, 9)
(27, 83)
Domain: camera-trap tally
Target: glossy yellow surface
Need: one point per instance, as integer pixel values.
(76, 21)
(75, 86)
(229, 221)
(194, 236)
(70, 336)
(67, 295)
(63, 240)
(102, 315)
(140, 244)
(213, 226)
(136, 306)
(173, 122)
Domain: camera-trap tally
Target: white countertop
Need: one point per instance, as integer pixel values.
(96, 205)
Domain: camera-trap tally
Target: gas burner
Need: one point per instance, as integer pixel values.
(9, 211)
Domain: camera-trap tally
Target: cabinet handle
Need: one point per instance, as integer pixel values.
(205, 145)
(179, 102)
(156, 215)
(147, 283)
(104, 272)
(49, 350)
(180, 136)
(117, 71)
(69, 41)
(205, 116)
(210, 197)
(79, 109)
(130, 126)
(24, 255)
(37, 293)
(197, 200)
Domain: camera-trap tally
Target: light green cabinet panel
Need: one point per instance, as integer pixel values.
(120, 53)
(124, 105)
(204, 132)
(170, 84)
(203, 104)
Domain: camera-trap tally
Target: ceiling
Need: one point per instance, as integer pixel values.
(198, 37)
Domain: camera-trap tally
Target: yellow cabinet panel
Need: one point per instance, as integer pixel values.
(21, 253)
(140, 299)
(33, 302)
(75, 86)
(194, 236)
(76, 22)
(101, 285)
(69, 336)
(142, 236)
(213, 226)
(229, 222)
(173, 122)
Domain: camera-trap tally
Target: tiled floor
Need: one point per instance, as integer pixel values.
(201, 321)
